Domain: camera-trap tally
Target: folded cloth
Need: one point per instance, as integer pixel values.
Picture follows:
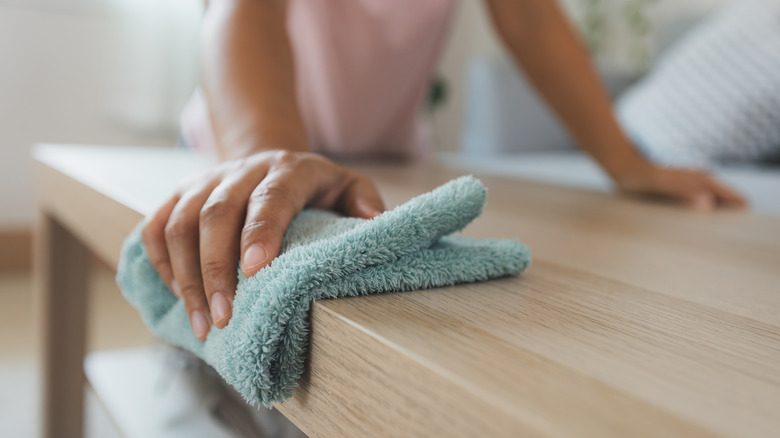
(261, 351)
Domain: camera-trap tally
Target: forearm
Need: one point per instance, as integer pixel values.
(545, 45)
(248, 78)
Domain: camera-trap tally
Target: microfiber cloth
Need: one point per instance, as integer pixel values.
(261, 351)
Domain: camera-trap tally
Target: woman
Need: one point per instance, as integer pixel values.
(285, 80)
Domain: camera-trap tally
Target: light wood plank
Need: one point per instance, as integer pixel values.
(636, 319)
(452, 382)
(61, 269)
(98, 221)
(709, 367)
(728, 260)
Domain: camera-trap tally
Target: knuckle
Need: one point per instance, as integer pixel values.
(271, 191)
(160, 264)
(214, 268)
(284, 158)
(301, 163)
(254, 229)
(163, 268)
(261, 157)
(179, 229)
(149, 234)
(241, 163)
(193, 295)
(214, 210)
(311, 162)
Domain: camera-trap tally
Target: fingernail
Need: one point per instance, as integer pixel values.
(220, 307)
(368, 210)
(175, 288)
(200, 326)
(254, 256)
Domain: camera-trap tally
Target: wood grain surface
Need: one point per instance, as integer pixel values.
(635, 318)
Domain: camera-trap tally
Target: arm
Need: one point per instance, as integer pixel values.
(249, 78)
(241, 208)
(543, 43)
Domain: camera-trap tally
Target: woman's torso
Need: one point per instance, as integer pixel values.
(363, 68)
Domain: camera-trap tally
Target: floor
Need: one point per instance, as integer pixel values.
(113, 324)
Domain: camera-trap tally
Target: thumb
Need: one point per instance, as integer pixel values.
(361, 199)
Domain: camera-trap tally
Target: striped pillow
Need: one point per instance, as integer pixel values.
(715, 96)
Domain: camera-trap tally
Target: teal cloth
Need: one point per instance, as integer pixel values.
(261, 351)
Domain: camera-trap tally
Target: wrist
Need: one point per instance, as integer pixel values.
(241, 145)
(629, 174)
(625, 168)
(624, 163)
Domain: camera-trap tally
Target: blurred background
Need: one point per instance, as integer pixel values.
(118, 72)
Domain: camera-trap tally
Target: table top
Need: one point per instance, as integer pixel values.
(759, 184)
(635, 319)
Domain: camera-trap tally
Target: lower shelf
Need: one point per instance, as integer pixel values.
(143, 394)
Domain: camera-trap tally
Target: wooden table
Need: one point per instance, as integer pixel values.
(634, 319)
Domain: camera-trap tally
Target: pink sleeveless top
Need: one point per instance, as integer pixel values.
(363, 70)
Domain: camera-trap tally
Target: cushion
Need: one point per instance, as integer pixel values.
(715, 95)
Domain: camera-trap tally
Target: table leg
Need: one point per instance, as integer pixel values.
(61, 270)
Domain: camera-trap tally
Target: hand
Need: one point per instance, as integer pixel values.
(696, 189)
(242, 207)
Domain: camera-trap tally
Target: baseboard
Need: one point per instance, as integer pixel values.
(15, 249)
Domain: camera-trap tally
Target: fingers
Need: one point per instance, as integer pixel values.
(700, 199)
(221, 220)
(272, 206)
(696, 189)
(153, 237)
(181, 236)
(705, 193)
(727, 196)
(288, 187)
(361, 199)
(686, 187)
(195, 239)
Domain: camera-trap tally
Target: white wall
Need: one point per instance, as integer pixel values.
(58, 83)
(470, 34)
(117, 71)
